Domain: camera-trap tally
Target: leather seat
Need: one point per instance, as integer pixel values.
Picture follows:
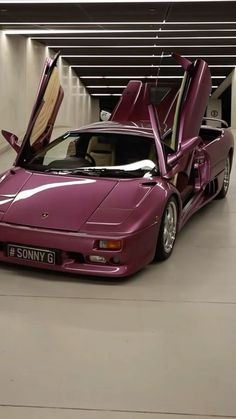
(102, 152)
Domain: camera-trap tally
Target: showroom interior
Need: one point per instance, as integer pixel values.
(160, 343)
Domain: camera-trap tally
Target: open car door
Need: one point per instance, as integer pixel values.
(190, 109)
(192, 101)
(45, 110)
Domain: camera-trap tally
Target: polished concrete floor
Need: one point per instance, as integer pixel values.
(160, 345)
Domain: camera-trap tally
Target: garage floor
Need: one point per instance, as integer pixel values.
(159, 345)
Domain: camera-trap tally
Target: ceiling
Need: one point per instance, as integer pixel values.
(109, 43)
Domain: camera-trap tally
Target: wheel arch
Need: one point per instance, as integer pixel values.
(174, 193)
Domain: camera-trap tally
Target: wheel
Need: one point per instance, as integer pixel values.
(225, 186)
(168, 231)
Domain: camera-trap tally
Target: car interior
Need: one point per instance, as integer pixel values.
(102, 152)
(114, 150)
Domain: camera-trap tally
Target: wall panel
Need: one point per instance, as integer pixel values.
(21, 63)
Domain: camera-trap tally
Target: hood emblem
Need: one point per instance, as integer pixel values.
(44, 215)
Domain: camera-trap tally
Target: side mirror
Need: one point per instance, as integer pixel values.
(12, 139)
(186, 147)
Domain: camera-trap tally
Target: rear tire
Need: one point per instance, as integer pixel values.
(168, 231)
(225, 187)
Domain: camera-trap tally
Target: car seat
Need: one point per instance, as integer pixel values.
(102, 152)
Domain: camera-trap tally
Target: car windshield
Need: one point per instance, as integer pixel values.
(99, 154)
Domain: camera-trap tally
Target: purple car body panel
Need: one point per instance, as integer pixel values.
(69, 214)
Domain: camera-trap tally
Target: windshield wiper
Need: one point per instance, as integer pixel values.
(104, 172)
(51, 169)
(64, 171)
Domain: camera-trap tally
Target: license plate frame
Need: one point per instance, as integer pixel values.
(33, 254)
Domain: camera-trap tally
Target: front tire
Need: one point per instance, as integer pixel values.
(225, 187)
(168, 231)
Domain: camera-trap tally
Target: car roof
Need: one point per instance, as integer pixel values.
(130, 128)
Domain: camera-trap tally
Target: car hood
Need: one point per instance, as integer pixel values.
(67, 202)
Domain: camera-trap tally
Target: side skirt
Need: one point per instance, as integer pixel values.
(200, 199)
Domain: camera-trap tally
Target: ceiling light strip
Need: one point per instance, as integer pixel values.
(100, 31)
(43, 23)
(145, 56)
(113, 56)
(159, 30)
(189, 37)
(164, 77)
(126, 38)
(113, 66)
(139, 46)
(64, 31)
(105, 87)
(105, 94)
(94, 1)
(99, 37)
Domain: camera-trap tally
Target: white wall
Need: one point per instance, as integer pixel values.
(233, 100)
(214, 110)
(21, 64)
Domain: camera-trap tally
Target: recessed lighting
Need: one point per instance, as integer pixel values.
(99, 46)
(159, 77)
(197, 30)
(220, 66)
(211, 56)
(104, 31)
(180, 77)
(112, 77)
(113, 56)
(113, 66)
(100, 94)
(64, 31)
(132, 31)
(194, 37)
(131, 66)
(97, 37)
(203, 22)
(146, 56)
(79, 23)
(106, 87)
(106, 94)
(139, 46)
(96, 1)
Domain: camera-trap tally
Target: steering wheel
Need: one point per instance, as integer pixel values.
(90, 159)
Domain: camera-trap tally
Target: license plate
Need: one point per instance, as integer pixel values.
(33, 254)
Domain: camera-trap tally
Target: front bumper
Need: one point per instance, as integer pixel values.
(137, 250)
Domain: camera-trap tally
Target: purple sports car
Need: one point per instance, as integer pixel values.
(110, 197)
